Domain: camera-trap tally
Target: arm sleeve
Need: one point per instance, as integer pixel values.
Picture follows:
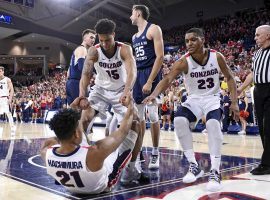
(80, 63)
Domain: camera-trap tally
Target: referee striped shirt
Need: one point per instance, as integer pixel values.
(261, 66)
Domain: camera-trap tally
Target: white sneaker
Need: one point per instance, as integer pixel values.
(242, 132)
(130, 174)
(204, 130)
(154, 162)
(194, 172)
(214, 181)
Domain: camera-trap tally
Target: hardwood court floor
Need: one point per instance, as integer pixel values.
(23, 176)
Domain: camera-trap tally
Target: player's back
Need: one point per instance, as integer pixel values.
(71, 171)
(4, 92)
(202, 80)
(144, 49)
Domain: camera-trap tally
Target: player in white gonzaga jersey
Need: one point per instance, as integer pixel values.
(6, 95)
(201, 68)
(115, 77)
(92, 169)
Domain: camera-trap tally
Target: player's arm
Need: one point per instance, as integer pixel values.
(87, 72)
(68, 73)
(103, 148)
(156, 33)
(246, 102)
(231, 84)
(130, 65)
(80, 53)
(247, 82)
(177, 68)
(47, 144)
(10, 89)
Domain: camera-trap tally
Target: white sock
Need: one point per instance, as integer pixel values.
(155, 151)
(215, 162)
(190, 156)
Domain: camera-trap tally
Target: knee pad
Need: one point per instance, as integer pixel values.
(141, 113)
(153, 113)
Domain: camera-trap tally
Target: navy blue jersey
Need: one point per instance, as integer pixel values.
(144, 50)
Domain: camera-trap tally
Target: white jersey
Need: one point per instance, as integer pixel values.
(111, 72)
(71, 171)
(4, 91)
(202, 80)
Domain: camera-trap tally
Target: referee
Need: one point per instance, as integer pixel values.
(261, 78)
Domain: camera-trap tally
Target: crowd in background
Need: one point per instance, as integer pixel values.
(230, 35)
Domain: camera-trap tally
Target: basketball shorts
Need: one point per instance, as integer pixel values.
(202, 105)
(100, 99)
(4, 105)
(142, 77)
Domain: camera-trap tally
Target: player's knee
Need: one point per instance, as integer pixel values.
(153, 117)
(153, 113)
(214, 129)
(181, 125)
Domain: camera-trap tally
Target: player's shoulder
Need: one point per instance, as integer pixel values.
(154, 28)
(94, 49)
(123, 45)
(7, 78)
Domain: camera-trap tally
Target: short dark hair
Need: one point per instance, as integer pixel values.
(198, 31)
(144, 9)
(105, 26)
(64, 123)
(86, 31)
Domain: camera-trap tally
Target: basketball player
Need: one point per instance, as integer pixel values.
(76, 65)
(201, 68)
(115, 77)
(6, 95)
(148, 46)
(93, 169)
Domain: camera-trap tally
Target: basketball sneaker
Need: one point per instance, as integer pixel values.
(214, 181)
(154, 162)
(129, 175)
(194, 172)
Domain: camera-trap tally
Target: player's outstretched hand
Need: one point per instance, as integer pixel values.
(149, 100)
(127, 100)
(235, 110)
(80, 103)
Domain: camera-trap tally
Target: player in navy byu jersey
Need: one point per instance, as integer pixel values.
(76, 65)
(89, 169)
(200, 67)
(149, 52)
